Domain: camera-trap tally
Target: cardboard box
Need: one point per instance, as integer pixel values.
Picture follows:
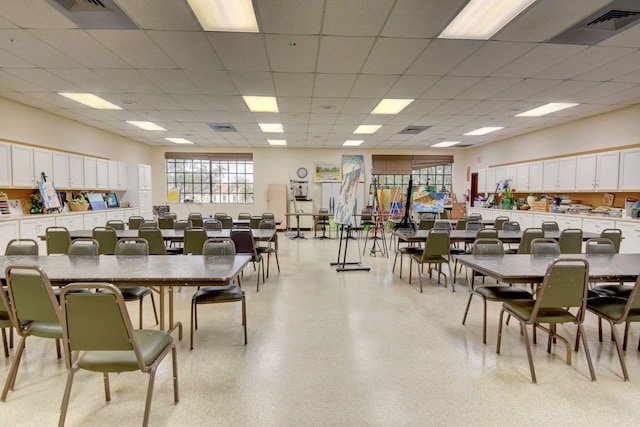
(541, 206)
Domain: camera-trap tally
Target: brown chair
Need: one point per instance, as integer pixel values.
(166, 222)
(196, 219)
(84, 247)
(217, 293)
(245, 244)
(499, 221)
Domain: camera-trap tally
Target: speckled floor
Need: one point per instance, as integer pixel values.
(340, 349)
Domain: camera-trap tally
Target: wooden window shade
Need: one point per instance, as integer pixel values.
(209, 156)
(398, 164)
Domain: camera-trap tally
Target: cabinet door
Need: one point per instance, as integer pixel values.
(630, 243)
(90, 173)
(70, 222)
(491, 181)
(9, 230)
(5, 168)
(144, 177)
(586, 179)
(146, 205)
(34, 228)
(115, 214)
(43, 164)
(607, 171)
(482, 181)
(61, 170)
(102, 174)
(76, 171)
(596, 225)
(567, 174)
(521, 181)
(629, 176)
(535, 177)
(22, 166)
(97, 219)
(550, 175)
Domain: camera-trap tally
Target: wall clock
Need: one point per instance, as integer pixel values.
(302, 172)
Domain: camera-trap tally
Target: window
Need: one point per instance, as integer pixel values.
(433, 172)
(211, 177)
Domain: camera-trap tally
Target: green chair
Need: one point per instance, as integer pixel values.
(194, 238)
(219, 215)
(320, 223)
(511, 226)
(491, 247)
(550, 226)
(99, 337)
(212, 224)
(254, 222)
(436, 251)
(135, 221)
(525, 242)
(269, 215)
(272, 245)
(227, 222)
(84, 247)
(616, 311)
(217, 293)
(21, 247)
(475, 217)
(244, 215)
(34, 311)
(571, 241)
(613, 234)
(107, 238)
(181, 224)
(58, 240)
(544, 246)
(601, 246)
(196, 219)
(499, 221)
(154, 238)
(135, 246)
(245, 244)
(426, 224)
(147, 223)
(563, 289)
(5, 323)
(166, 222)
(116, 224)
(461, 224)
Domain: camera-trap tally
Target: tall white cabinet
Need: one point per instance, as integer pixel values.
(139, 189)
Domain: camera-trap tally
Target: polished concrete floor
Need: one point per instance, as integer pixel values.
(341, 349)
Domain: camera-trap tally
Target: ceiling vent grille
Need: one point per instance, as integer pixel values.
(222, 127)
(413, 130)
(94, 14)
(609, 21)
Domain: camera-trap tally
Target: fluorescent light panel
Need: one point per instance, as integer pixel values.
(90, 100)
(549, 108)
(179, 140)
(481, 19)
(145, 125)
(367, 129)
(277, 142)
(446, 143)
(391, 106)
(225, 15)
(484, 130)
(352, 143)
(261, 104)
(271, 127)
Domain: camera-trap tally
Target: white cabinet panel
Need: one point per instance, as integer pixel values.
(491, 180)
(102, 174)
(42, 164)
(9, 230)
(144, 177)
(5, 167)
(90, 173)
(76, 171)
(539, 218)
(550, 175)
(33, 228)
(117, 175)
(146, 205)
(629, 175)
(596, 225)
(598, 172)
(95, 219)
(22, 166)
(566, 221)
(482, 181)
(521, 181)
(116, 214)
(559, 174)
(524, 219)
(61, 170)
(71, 222)
(535, 177)
(630, 243)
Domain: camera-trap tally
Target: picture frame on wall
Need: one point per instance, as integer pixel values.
(327, 172)
(351, 162)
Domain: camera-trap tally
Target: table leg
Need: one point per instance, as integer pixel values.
(161, 292)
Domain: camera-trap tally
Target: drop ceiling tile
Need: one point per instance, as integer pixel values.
(326, 105)
(136, 48)
(199, 56)
(485, 108)
(487, 88)
(171, 81)
(594, 94)
(630, 78)
(9, 60)
(333, 85)
(35, 14)
(295, 118)
(288, 104)
(614, 69)
(212, 82)
(289, 16)
(411, 86)
(422, 106)
(441, 56)
(294, 84)
(490, 57)
(355, 17)
(420, 18)
(240, 51)
(351, 119)
(28, 47)
(86, 79)
(525, 89)
(537, 59)
(583, 61)
(209, 103)
(320, 128)
(322, 119)
(294, 53)
(359, 105)
(562, 92)
(129, 80)
(343, 54)
(256, 83)
(153, 14)
(393, 56)
(45, 79)
(449, 87)
(454, 107)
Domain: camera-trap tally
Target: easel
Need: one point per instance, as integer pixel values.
(298, 234)
(406, 221)
(342, 266)
(45, 208)
(378, 224)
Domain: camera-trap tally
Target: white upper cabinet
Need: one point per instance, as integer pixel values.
(102, 174)
(22, 166)
(117, 175)
(61, 170)
(5, 165)
(491, 180)
(144, 177)
(521, 180)
(482, 181)
(76, 171)
(535, 177)
(42, 164)
(598, 172)
(559, 174)
(90, 173)
(629, 176)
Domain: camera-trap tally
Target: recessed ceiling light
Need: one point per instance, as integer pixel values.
(279, 142)
(367, 129)
(145, 125)
(90, 100)
(225, 15)
(352, 143)
(261, 104)
(481, 19)
(484, 130)
(271, 127)
(446, 143)
(391, 106)
(179, 140)
(549, 108)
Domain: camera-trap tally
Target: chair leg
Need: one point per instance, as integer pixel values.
(626, 335)
(499, 331)
(466, 310)
(419, 266)
(174, 363)
(277, 261)
(453, 282)
(147, 406)
(13, 371)
(484, 321)
(107, 389)
(529, 355)
(244, 319)
(5, 344)
(193, 322)
(153, 304)
(588, 353)
(65, 398)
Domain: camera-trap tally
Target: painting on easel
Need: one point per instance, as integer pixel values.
(49, 195)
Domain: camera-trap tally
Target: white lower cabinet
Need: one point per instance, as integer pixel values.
(71, 222)
(95, 219)
(565, 221)
(9, 230)
(34, 228)
(593, 225)
(630, 237)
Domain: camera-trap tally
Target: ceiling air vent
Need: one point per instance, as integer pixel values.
(94, 14)
(616, 17)
(413, 130)
(222, 127)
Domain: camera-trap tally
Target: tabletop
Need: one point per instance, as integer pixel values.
(507, 236)
(175, 235)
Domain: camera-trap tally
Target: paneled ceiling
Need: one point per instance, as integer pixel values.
(328, 62)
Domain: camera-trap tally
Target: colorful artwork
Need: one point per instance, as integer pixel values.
(347, 198)
(351, 162)
(326, 172)
(427, 201)
(48, 195)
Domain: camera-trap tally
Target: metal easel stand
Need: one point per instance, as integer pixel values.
(292, 197)
(344, 265)
(379, 244)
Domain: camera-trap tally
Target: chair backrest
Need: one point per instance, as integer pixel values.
(633, 302)
(196, 219)
(475, 217)
(571, 241)
(227, 222)
(437, 244)
(244, 215)
(107, 238)
(97, 321)
(116, 224)
(212, 224)
(600, 246)
(473, 225)
(147, 223)
(461, 224)
(243, 239)
(219, 215)
(135, 221)
(499, 221)
(613, 234)
(132, 246)
(58, 240)
(166, 222)
(154, 238)
(221, 246)
(527, 236)
(173, 215)
(488, 247)
(323, 210)
(486, 233)
(511, 226)
(268, 215)
(21, 247)
(550, 226)
(442, 225)
(194, 238)
(84, 247)
(267, 224)
(365, 215)
(565, 285)
(427, 215)
(31, 296)
(254, 222)
(545, 247)
(426, 224)
(181, 224)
